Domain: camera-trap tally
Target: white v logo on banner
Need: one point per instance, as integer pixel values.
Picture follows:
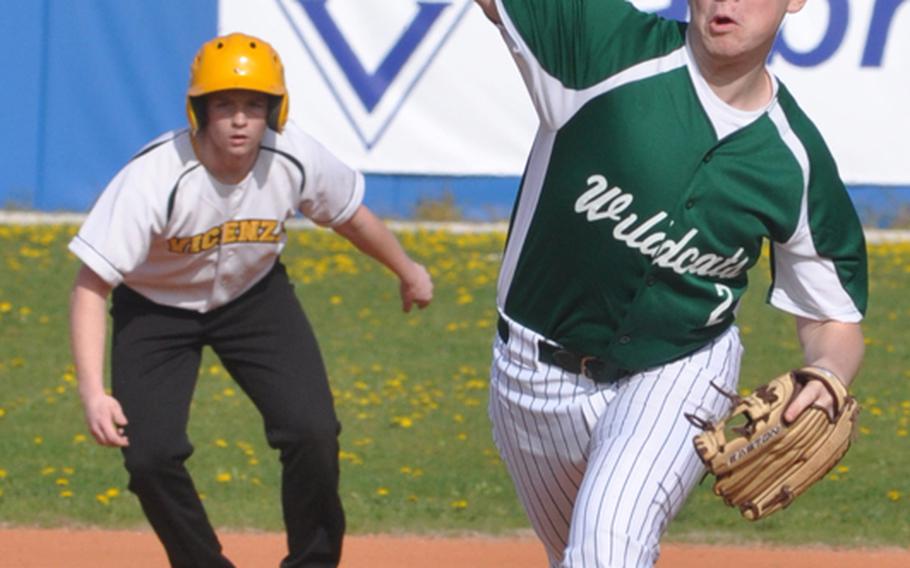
(372, 54)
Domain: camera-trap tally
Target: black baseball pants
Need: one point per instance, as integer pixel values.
(267, 345)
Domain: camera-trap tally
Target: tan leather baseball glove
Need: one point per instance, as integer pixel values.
(761, 462)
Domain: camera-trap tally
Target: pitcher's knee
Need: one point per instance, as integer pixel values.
(610, 550)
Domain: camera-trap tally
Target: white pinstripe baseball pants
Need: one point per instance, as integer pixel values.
(602, 469)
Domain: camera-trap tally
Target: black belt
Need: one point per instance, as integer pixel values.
(597, 369)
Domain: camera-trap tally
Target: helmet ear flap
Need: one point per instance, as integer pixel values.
(278, 112)
(195, 111)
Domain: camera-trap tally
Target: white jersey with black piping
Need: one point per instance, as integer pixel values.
(169, 230)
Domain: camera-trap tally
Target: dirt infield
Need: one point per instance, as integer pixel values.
(101, 549)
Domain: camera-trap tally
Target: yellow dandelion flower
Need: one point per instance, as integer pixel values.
(62, 481)
(2, 473)
(461, 436)
(834, 477)
(403, 421)
(405, 469)
(229, 392)
(221, 443)
(69, 378)
(215, 370)
(255, 481)
(112, 492)
(902, 433)
(864, 430)
(79, 438)
(894, 495)
(103, 499)
(25, 311)
(875, 411)
(843, 469)
(223, 477)
(48, 470)
(38, 440)
(5, 307)
(2, 412)
(66, 493)
(382, 491)
(459, 504)
(335, 300)
(30, 252)
(253, 461)
(349, 457)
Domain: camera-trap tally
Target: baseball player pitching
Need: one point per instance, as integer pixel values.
(188, 236)
(666, 154)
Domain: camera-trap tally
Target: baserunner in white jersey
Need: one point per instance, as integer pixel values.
(188, 236)
(666, 154)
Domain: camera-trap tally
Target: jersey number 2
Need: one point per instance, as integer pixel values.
(717, 315)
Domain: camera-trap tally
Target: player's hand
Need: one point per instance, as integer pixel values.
(106, 421)
(416, 288)
(814, 394)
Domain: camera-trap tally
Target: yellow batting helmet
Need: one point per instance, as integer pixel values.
(237, 61)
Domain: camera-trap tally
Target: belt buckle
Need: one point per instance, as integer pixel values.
(593, 367)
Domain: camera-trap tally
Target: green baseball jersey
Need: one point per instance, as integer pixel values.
(646, 198)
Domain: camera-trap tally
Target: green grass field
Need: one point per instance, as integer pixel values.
(410, 389)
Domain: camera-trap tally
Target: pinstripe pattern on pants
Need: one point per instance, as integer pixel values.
(601, 469)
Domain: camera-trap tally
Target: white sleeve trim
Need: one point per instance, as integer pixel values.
(353, 204)
(811, 289)
(93, 259)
